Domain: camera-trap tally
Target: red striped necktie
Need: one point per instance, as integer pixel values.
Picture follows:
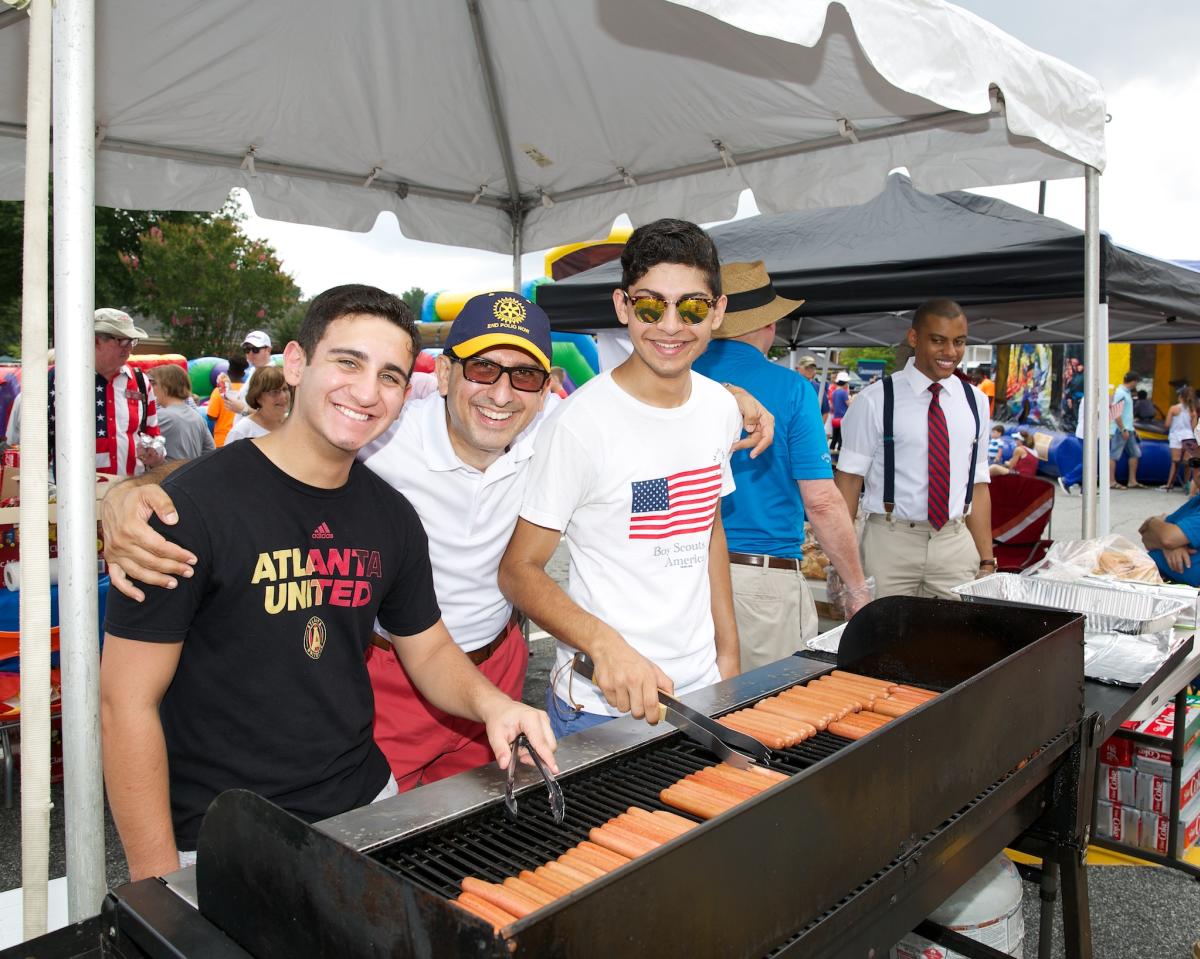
(939, 461)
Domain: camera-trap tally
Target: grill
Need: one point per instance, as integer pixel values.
(862, 841)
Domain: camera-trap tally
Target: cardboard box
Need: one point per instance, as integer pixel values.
(1118, 822)
(1153, 792)
(1155, 829)
(1118, 784)
(1156, 759)
(1117, 751)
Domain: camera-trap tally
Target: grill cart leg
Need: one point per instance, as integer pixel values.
(1077, 920)
(1049, 896)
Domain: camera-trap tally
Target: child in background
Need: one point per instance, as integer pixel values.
(995, 447)
(220, 416)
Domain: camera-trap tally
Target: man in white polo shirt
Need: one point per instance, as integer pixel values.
(917, 440)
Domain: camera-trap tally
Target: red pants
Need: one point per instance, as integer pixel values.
(423, 744)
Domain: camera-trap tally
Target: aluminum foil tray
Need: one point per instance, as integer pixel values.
(1107, 610)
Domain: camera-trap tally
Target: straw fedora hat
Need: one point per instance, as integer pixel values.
(752, 302)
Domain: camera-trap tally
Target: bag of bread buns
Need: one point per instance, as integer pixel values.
(1111, 557)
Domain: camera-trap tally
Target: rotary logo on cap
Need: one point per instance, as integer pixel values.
(509, 311)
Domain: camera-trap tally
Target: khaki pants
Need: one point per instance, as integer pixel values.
(911, 559)
(775, 613)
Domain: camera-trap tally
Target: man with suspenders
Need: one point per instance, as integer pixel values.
(913, 448)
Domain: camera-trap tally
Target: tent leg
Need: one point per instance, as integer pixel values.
(518, 221)
(1095, 436)
(74, 300)
(35, 546)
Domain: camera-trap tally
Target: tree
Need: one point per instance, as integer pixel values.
(118, 236)
(208, 284)
(285, 327)
(885, 353)
(415, 298)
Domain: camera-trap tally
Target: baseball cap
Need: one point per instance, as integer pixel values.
(256, 338)
(842, 377)
(807, 361)
(501, 319)
(117, 323)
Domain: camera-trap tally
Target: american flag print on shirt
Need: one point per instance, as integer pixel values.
(675, 505)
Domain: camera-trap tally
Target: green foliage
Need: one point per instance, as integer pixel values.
(208, 283)
(415, 298)
(851, 356)
(283, 329)
(118, 238)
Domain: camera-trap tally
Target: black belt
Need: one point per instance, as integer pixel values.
(477, 656)
(771, 562)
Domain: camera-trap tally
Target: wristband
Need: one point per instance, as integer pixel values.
(987, 562)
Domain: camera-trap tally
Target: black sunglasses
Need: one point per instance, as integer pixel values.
(527, 379)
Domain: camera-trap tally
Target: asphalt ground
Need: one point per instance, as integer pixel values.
(1138, 912)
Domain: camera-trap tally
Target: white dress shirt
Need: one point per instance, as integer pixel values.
(468, 515)
(862, 442)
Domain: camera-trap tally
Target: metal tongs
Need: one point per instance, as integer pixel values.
(558, 805)
(726, 744)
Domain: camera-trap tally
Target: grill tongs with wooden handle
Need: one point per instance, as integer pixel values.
(726, 744)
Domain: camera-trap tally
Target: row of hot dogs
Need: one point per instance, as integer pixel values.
(633, 833)
(843, 703)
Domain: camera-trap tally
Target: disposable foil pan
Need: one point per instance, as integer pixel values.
(1107, 610)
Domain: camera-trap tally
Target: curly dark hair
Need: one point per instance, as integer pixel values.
(670, 241)
(348, 300)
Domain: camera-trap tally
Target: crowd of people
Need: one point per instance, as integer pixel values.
(332, 612)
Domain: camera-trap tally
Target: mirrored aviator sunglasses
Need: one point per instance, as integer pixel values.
(692, 310)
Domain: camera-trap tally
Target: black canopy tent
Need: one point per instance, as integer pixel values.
(860, 268)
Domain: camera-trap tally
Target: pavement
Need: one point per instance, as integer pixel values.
(1138, 911)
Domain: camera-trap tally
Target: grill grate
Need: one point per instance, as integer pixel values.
(489, 845)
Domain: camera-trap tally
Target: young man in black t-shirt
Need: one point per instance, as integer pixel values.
(251, 673)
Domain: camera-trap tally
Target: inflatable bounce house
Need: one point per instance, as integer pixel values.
(1042, 387)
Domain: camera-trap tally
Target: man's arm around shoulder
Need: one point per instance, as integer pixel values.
(132, 548)
(134, 676)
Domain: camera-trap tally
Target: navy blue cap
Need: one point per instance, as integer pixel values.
(501, 319)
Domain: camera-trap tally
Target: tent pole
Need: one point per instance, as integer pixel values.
(518, 222)
(74, 300)
(1095, 377)
(34, 513)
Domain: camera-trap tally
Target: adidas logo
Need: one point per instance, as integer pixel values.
(322, 532)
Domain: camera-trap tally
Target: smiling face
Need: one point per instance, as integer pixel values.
(484, 420)
(667, 349)
(352, 387)
(938, 345)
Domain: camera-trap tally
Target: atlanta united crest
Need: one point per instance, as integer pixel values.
(314, 638)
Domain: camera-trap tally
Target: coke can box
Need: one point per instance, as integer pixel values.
(1118, 784)
(1153, 792)
(1157, 759)
(1155, 829)
(1116, 751)
(1118, 822)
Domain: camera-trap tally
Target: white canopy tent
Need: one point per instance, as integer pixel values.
(519, 124)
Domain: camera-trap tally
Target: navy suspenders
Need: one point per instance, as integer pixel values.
(889, 447)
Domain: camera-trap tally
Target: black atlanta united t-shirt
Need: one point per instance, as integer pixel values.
(271, 693)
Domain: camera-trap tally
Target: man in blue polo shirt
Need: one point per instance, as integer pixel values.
(1173, 541)
(764, 516)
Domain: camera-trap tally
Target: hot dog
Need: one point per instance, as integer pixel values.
(758, 777)
(529, 891)
(545, 883)
(692, 800)
(659, 834)
(917, 691)
(714, 781)
(564, 877)
(568, 871)
(847, 732)
(484, 910)
(792, 730)
(891, 707)
(888, 686)
(833, 700)
(618, 840)
(573, 860)
(512, 903)
(770, 740)
(600, 856)
(814, 700)
(721, 776)
(673, 821)
(793, 709)
(836, 694)
(868, 694)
